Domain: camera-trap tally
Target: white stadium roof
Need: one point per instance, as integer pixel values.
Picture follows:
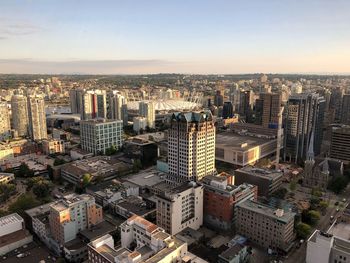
(166, 105)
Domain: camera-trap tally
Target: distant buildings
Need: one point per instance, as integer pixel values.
(345, 110)
(340, 144)
(37, 117)
(147, 110)
(139, 124)
(304, 115)
(99, 135)
(271, 109)
(227, 111)
(265, 226)
(180, 207)
(191, 146)
(5, 127)
(218, 99)
(220, 199)
(19, 109)
(267, 181)
(115, 103)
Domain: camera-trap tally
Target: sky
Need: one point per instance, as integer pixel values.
(174, 36)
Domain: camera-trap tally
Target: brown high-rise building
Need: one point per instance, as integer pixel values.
(271, 109)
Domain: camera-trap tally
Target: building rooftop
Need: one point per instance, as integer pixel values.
(10, 219)
(100, 121)
(236, 142)
(148, 178)
(278, 214)
(341, 230)
(260, 172)
(98, 230)
(231, 252)
(70, 200)
(135, 205)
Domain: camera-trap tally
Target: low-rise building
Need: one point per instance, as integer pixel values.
(266, 226)
(132, 205)
(6, 178)
(102, 167)
(267, 180)
(53, 146)
(144, 150)
(220, 199)
(13, 233)
(180, 207)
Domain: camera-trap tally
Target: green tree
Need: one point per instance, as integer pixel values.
(86, 180)
(58, 161)
(111, 150)
(323, 205)
(280, 193)
(137, 165)
(293, 185)
(24, 171)
(42, 188)
(24, 202)
(338, 184)
(312, 217)
(303, 230)
(6, 191)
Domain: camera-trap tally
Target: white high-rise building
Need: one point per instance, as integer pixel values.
(4, 121)
(147, 110)
(98, 135)
(191, 146)
(116, 101)
(37, 117)
(139, 123)
(180, 207)
(19, 114)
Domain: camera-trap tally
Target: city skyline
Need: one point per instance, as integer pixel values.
(219, 37)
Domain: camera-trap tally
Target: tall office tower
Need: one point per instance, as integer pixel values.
(233, 92)
(271, 109)
(246, 103)
(147, 110)
(115, 102)
(259, 109)
(340, 144)
(76, 100)
(19, 114)
(296, 88)
(191, 146)
(72, 214)
(336, 101)
(93, 104)
(125, 116)
(4, 122)
(304, 115)
(37, 117)
(218, 99)
(345, 110)
(96, 136)
(227, 111)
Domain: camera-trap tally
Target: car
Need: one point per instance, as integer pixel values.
(336, 203)
(21, 255)
(337, 209)
(344, 200)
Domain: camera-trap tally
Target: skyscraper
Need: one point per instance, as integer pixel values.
(19, 114)
(76, 100)
(304, 115)
(37, 117)
(336, 101)
(218, 99)
(147, 110)
(345, 110)
(227, 111)
(115, 103)
(191, 146)
(246, 103)
(4, 121)
(271, 109)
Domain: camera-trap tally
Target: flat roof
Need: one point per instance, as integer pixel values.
(266, 210)
(237, 142)
(149, 177)
(260, 172)
(98, 230)
(10, 219)
(341, 230)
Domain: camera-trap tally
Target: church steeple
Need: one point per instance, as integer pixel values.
(310, 156)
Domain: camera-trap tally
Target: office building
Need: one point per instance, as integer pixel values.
(53, 146)
(340, 144)
(139, 124)
(180, 207)
(73, 213)
(330, 247)
(115, 103)
(5, 128)
(304, 115)
(191, 145)
(241, 150)
(246, 103)
(265, 226)
(19, 109)
(98, 135)
(345, 110)
(336, 102)
(125, 115)
(267, 181)
(76, 101)
(227, 111)
(147, 110)
(220, 199)
(37, 117)
(271, 109)
(218, 99)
